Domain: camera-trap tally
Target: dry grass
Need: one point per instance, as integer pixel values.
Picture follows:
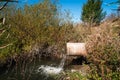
(103, 46)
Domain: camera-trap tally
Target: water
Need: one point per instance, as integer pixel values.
(39, 69)
(52, 70)
(62, 61)
(49, 70)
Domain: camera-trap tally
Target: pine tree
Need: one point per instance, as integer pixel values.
(92, 12)
(118, 9)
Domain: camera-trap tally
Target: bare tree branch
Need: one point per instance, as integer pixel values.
(6, 2)
(2, 32)
(3, 5)
(6, 46)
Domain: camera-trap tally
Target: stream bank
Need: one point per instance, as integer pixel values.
(25, 67)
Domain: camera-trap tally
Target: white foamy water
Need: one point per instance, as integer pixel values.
(52, 70)
(62, 61)
(49, 69)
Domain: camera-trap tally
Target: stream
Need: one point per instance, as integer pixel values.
(39, 69)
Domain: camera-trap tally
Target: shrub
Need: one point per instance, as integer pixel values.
(104, 52)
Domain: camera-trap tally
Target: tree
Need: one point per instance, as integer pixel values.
(118, 9)
(92, 12)
(3, 29)
(6, 41)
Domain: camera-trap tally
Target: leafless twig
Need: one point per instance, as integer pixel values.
(5, 46)
(6, 2)
(3, 5)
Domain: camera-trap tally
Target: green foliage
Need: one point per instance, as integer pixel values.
(77, 76)
(43, 23)
(115, 2)
(71, 76)
(31, 24)
(92, 12)
(5, 41)
(35, 25)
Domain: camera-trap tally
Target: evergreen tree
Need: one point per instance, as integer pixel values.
(118, 9)
(92, 12)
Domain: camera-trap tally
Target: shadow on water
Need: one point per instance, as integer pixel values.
(4, 68)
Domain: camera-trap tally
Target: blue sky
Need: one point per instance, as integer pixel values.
(75, 7)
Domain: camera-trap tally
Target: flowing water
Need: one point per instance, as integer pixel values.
(42, 69)
(51, 70)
